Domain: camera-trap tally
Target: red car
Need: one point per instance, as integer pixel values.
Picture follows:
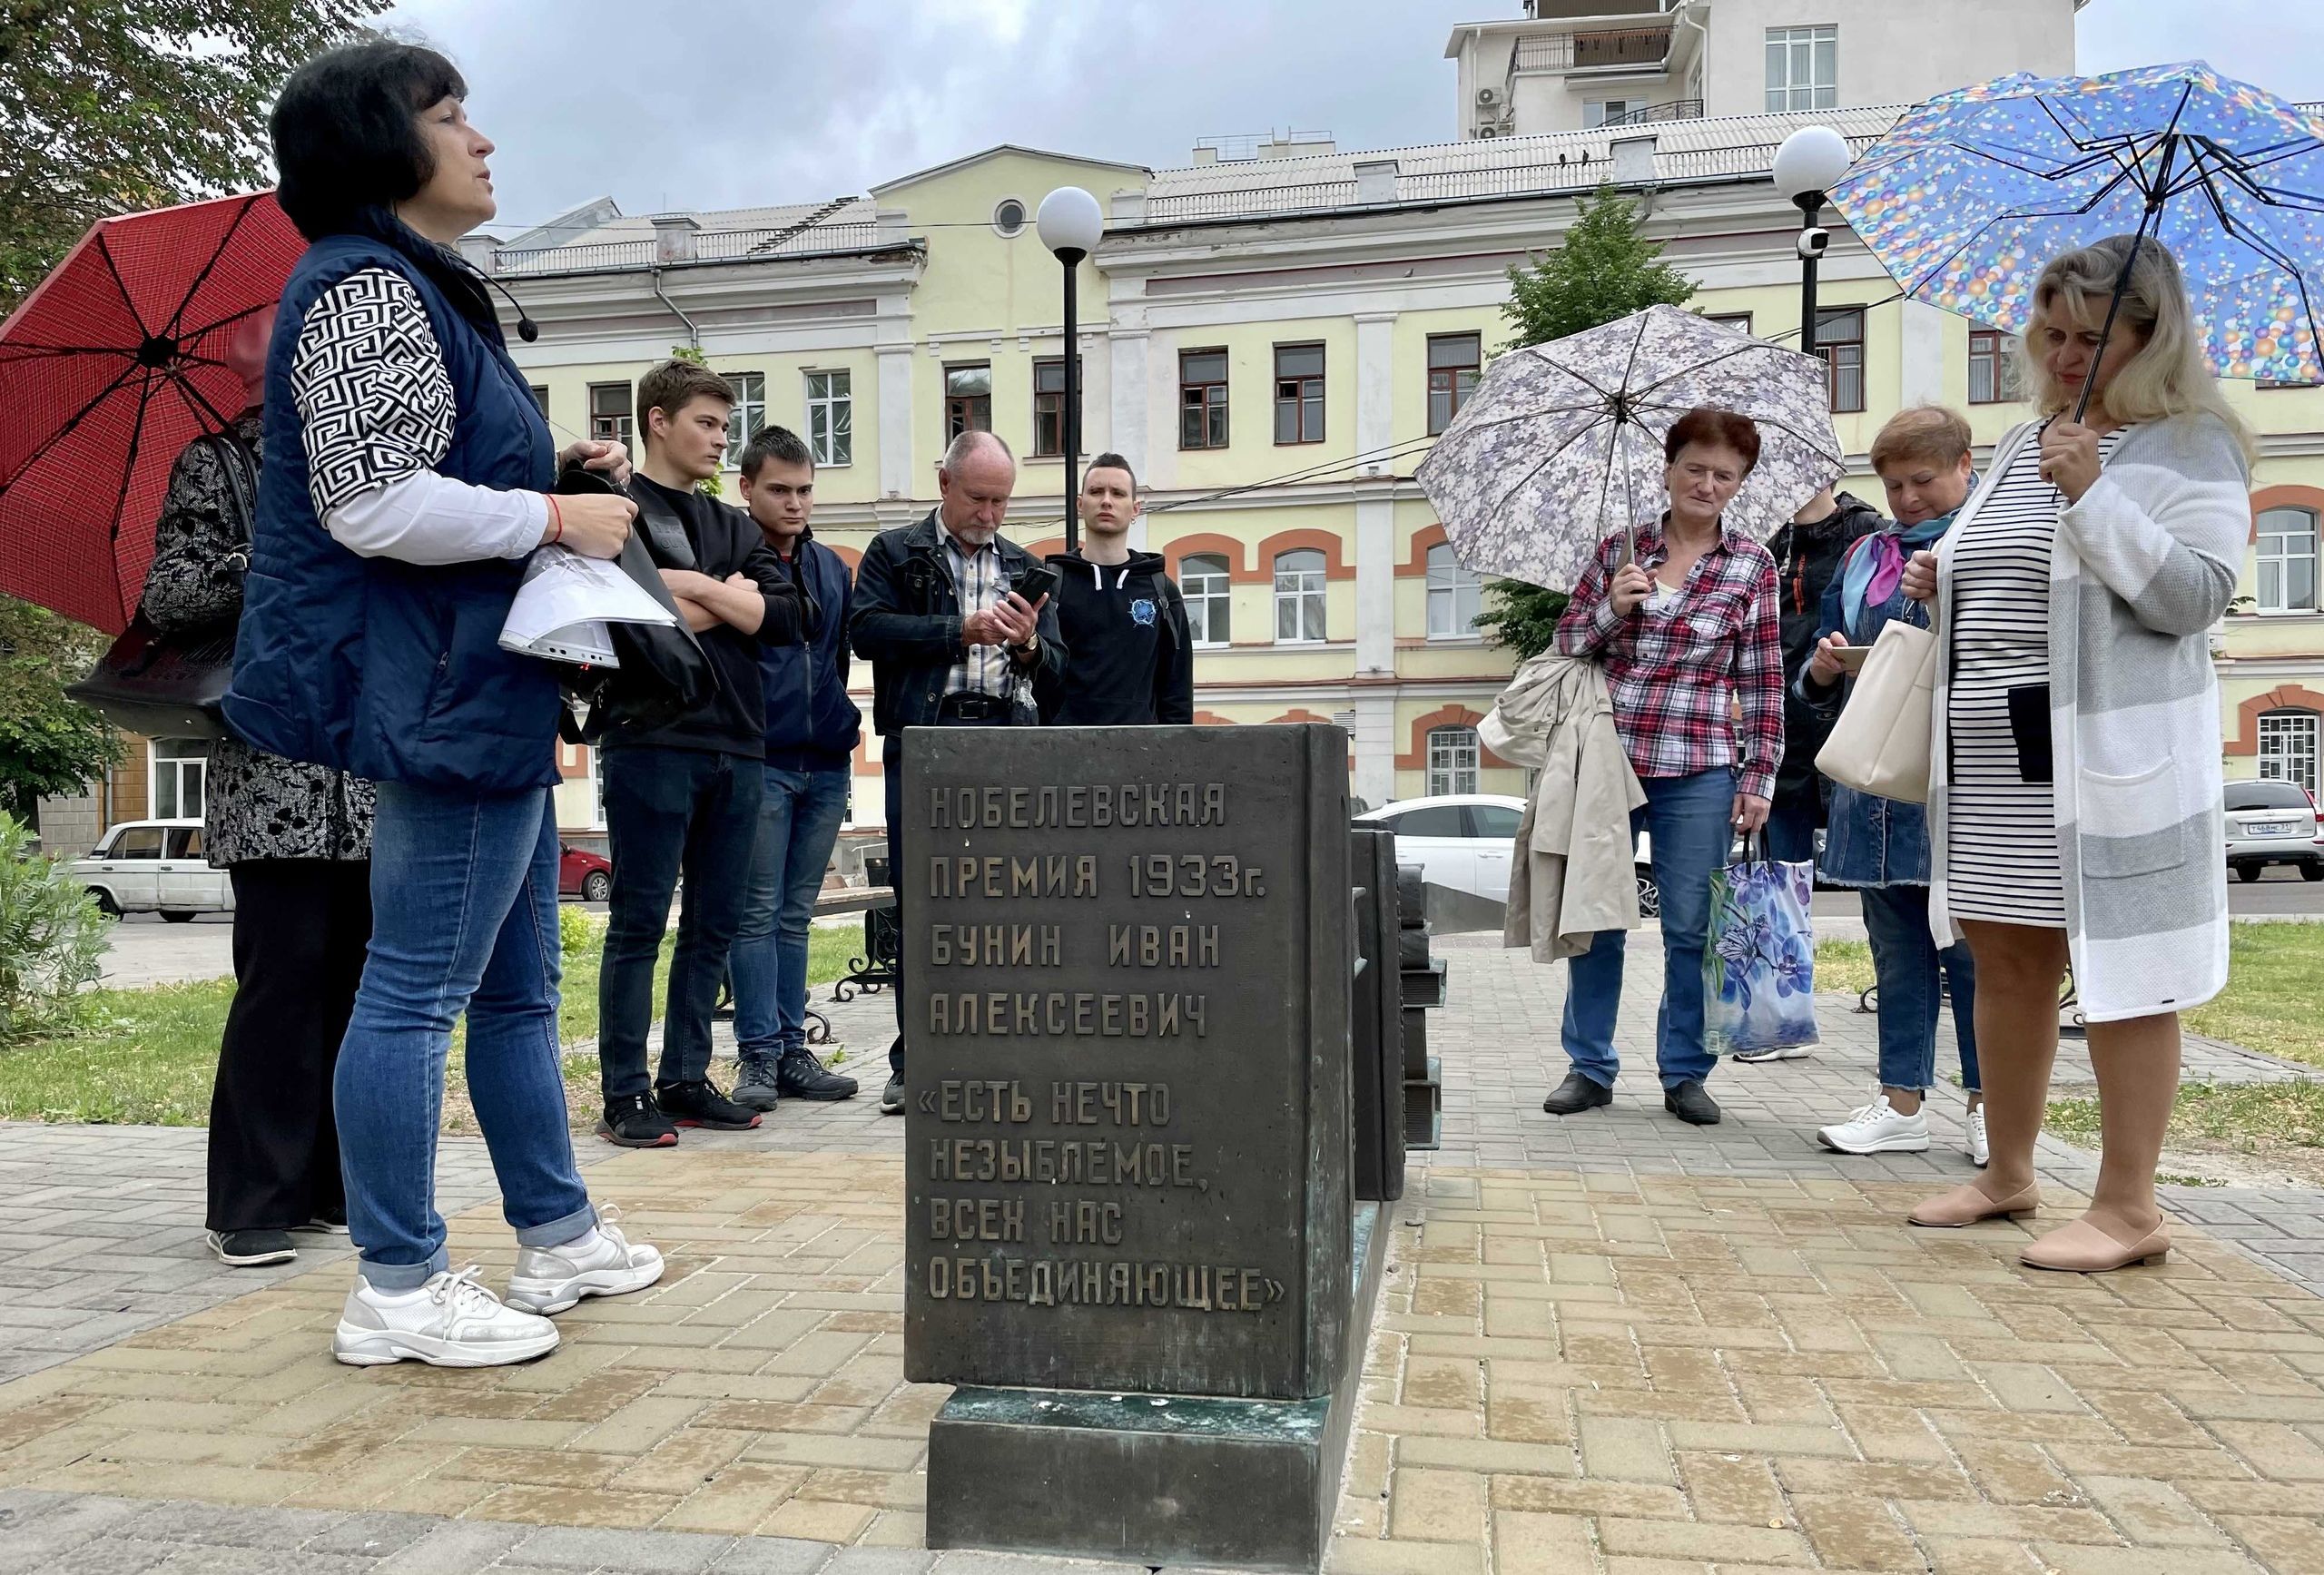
(583, 874)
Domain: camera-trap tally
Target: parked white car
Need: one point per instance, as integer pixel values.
(2272, 822)
(155, 866)
(1463, 840)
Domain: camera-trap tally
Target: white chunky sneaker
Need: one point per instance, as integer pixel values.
(1979, 1149)
(602, 1262)
(1877, 1128)
(449, 1322)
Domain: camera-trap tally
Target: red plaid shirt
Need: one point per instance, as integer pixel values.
(1676, 675)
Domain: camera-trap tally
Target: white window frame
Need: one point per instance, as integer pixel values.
(2005, 383)
(184, 771)
(1209, 594)
(1455, 761)
(746, 415)
(1597, 111)
(2284, 547)
(1304, 591)
(829, 408)
(1457, 592)
(2290, 744)
(1792, 51)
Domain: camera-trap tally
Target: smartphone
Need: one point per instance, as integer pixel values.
(1852, 657)
(1038, 581)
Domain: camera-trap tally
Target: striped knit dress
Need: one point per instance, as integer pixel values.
(2002, 859)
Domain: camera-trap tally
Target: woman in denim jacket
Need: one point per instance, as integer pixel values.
(1881, 846)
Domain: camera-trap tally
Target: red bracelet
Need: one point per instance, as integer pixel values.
(556, 518)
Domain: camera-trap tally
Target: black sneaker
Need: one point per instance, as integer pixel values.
(701, 1105)
(802, 1076)
(634, 1121)
(892, 1098)
(249, 1249)
(1691, 1103)
(1577, 1094)
(758, 1082)
(331, 1221)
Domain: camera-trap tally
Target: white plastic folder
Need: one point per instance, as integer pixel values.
(567, 602)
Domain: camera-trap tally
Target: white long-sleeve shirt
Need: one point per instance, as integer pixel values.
(377, 410)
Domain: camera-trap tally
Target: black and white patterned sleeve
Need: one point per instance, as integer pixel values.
(374, 399)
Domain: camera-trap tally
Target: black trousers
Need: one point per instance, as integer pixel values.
(300, 929)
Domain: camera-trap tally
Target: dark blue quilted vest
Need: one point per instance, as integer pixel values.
(391, 670)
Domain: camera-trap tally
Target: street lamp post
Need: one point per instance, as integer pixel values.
(1807, 167)
(1070, 223)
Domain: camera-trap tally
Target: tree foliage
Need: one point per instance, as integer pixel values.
(110, 106)
(48, 744)
(1606, 271)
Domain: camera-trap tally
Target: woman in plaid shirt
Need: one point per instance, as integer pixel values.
(1689, 634)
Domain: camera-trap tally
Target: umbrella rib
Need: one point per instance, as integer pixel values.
(128, 475)
(194, 396)
(1520, 416)
(1709, 361)
(99, 397)
(105, 251)
(177, 317)
(1545, 462)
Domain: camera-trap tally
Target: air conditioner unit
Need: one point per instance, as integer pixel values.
(1488, 96)
(1488, 130)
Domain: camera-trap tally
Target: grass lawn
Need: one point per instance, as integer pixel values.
(148, 1055)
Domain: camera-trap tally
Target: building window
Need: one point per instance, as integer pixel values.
(1299, 393)
(1299, 597)
(1455, 596)
(1452, 362)
(967, 400)
(1452, 760)
(1599, 111)
(2288, 749)
(1202, 398)
(609, 415)
(1840, 340)
(1740, 321)
(1048, 408)
(540, 397)
(831, 418)
(1803, 68)
(179, 779)
(747, 415)
(2288, 560)
(1994, 361)
(1008, 217)
(1203, 580)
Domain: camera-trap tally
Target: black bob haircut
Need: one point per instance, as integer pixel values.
(346, 132)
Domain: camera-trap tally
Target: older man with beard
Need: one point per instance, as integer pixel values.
(951, 642)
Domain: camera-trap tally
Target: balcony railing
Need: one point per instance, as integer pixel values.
(710, 246)
(1683, 109)
(1609, 49)
(1251, 202)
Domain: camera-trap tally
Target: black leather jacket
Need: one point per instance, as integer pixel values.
(906, 623)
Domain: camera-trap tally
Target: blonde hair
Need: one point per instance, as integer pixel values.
(1929, 433)
(2167, 376)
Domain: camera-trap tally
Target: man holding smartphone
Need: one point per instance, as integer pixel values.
(951, 642)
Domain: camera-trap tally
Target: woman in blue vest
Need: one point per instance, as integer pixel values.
(405, 481)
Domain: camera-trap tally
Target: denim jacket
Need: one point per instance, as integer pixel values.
(1868, 841)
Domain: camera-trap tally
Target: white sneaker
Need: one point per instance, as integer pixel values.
(1877, 1128)
(449, 1322)
(602, 1262)
(1979, 1149)
(1787, 1053)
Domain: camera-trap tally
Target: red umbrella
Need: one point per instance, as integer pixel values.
(108, 368)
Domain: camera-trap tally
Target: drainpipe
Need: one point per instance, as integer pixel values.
(1688, 18)
(694, 334)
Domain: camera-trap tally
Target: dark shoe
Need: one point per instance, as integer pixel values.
(802, 1076)
(331, 1221)
(249, 1249)
(758, 1083)
(1577, 1094)
(892, 1098)
(1691, 1102)
(635, 1122)
(701, 1105)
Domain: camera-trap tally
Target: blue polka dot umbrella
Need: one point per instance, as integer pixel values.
(1971, 194)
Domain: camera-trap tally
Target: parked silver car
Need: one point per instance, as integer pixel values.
(2272, 822)
(155, 866)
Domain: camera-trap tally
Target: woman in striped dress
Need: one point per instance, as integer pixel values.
(2074, 800)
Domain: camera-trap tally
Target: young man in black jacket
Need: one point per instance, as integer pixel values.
(685, 797)
(950, 642)
(1122, 619)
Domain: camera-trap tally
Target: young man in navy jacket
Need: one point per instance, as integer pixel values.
(811, 729)
(1123, 619)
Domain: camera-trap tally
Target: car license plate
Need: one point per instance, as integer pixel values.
(2268, 828)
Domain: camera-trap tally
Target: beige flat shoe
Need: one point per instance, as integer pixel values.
(1968, 1203)
(2083, 1248)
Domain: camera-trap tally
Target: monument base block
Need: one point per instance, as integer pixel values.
(1152, 1479)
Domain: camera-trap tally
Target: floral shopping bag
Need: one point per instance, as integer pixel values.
(1759, 959)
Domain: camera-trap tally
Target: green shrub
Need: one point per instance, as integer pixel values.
(52, 939)
(578, 931)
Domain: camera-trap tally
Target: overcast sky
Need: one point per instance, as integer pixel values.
(721, 103)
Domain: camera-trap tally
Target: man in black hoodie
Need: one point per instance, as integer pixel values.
(1131, 658)
(685, 797)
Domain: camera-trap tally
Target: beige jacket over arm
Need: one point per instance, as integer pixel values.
(1574, 875)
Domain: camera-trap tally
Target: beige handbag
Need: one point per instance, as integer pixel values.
(1880, 745)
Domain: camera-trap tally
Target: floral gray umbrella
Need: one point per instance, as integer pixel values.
(1561, 443)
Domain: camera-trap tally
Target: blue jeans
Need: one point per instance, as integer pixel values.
(799, 819)
(463, 918)
(1905, 963)
(669, 811)
(1692, 821)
